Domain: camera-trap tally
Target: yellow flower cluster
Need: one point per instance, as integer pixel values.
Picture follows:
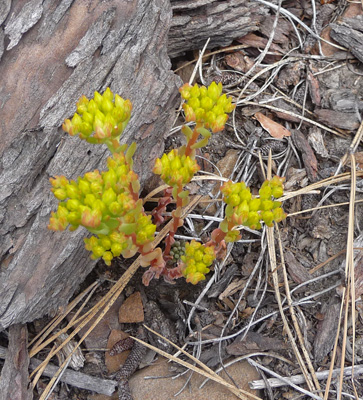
(100, 119)
(175, 169)
(206, 106)
(245, 209)
(107, 204)
(196, 261)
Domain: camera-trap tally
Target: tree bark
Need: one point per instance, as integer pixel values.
(51, 53)
(194, 21)
(53, 56)
(14, 375)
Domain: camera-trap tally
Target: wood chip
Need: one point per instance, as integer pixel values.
(338, 119)
(325, 336)
(232, 288)
(316, 140)
(313, 85)
(297, 272)
(308, 156)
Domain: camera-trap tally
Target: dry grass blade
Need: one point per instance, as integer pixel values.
(293, 315)
(160, 188)
(273, 262)
(108, 300)
(224, 50)
(39, 371)
(204, 370)
(322, 207)
(348, 295)
(40, 338)
(353, 146)
(349, 275)
(199, 62)
(350, 248)
(317, 185)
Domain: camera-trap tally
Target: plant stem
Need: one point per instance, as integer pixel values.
(188, 149)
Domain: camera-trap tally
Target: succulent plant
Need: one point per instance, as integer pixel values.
(107, 203)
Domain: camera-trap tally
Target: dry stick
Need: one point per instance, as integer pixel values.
(205, 371)
(298, 388)
(112, 296)
(74, 378)
(293, 315)
(281, 110)
(298, 379)
(246, 357)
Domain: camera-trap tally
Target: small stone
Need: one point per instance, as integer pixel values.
(132, 309)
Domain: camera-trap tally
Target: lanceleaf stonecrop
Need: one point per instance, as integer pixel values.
(107, 203)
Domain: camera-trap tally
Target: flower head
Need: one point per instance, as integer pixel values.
(206, 106)
(196, 261)
(100, 119)
(245, 209)
(175, 169)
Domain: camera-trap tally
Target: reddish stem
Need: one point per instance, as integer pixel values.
(191, 141)
(161, 207)
(170, 238)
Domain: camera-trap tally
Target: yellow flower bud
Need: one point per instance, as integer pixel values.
(108, 196)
